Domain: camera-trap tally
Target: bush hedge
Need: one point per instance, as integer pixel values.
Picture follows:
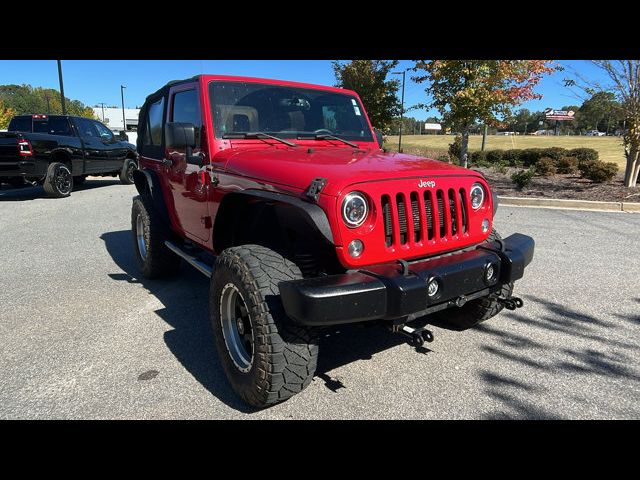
(528, 157)
(598, 171)
(567, 165)
(522, 178)
(546, 167)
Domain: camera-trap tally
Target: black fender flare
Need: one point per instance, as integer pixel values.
(148, 183)
(311, 213)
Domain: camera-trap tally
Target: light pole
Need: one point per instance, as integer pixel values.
(64, 110)
(403, 73)
(102, 104)
(124, 122)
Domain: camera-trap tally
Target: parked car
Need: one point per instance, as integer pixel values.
(282, 195)
(595, 133)
(60, 151)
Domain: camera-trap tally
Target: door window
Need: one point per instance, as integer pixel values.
(104, 132)
(186, 110)
(86, 129)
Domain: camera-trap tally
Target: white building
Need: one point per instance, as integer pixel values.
(112, 118)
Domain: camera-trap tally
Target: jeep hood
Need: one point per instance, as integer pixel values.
(341, 166)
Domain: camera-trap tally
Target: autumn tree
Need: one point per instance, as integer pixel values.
(486, 91)
(369, 79)
(6, 114)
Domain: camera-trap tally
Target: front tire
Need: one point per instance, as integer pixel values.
(149, 234)
(126, 175)
(59, 182)
(265, 357)
(479, 310)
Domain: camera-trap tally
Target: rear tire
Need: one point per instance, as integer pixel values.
(479, 310)
(126, 175)
(266, 358)
(149, 234)
(59, 182)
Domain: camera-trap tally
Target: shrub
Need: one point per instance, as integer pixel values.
(495, 156)
(602, 172)
(583, 154)
(522, 178)
(513, 157)
(546, 167)
(529, 156)
(479, 156)
(567, 165)
(455, 147)
(443, 157)
(585, 167)
(502, 167)
(555, 153)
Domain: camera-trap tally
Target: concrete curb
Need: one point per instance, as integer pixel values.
(569, 204)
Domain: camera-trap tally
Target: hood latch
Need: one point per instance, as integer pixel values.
(316, 187)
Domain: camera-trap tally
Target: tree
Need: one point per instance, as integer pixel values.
(624, 82)
(25, 99)
(600, 111)
(369, 79)
(6, 114)
(469, 91)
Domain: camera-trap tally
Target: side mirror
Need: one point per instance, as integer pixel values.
(180, 135)
(123, 136)
(379, 137)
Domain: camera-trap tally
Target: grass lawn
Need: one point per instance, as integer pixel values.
(610, 149)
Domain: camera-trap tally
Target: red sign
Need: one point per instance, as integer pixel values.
(551, 114)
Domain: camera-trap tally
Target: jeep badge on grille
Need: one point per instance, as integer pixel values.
(423, 184)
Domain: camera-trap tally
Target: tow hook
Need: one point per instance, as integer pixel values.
(417, 336)
(511, 303)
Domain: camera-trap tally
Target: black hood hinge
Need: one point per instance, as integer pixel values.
(316, 187)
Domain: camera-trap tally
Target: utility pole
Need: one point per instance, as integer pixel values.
(403, 73)
(102, 104)
(124, 122)
(64, 110)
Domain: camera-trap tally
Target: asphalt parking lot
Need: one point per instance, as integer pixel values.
(83, 336)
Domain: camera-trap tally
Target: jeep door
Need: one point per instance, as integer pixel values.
(187, 181)
(96, 151)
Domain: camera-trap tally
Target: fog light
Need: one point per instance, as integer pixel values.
(432, 288)
(355, 248)
(489, 273)
(485, 225)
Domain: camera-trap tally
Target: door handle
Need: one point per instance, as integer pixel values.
(167, 163)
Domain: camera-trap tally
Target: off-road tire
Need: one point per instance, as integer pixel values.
(52, 186)
(479, 310)
(158, 261)
(126, 174)
(285, 355)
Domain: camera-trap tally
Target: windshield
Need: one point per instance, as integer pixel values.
(285, 112)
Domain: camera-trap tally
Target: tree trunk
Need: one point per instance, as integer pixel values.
(633, 165)
(464, 147)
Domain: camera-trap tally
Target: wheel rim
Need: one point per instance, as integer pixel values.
(142, 247)
(63, 180)
(237, 328)
(130, 169)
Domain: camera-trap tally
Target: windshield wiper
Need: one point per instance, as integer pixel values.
(258, 135)
(326, 136)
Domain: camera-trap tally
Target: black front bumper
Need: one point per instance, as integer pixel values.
(390, 292)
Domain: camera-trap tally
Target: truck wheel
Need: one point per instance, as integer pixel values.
(478, 310)
(126, 175)
(149, 234)
(266, 358)
(59, 182)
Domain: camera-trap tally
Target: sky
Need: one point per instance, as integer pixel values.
(96, 81)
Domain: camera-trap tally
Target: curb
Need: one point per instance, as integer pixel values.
(569, 204)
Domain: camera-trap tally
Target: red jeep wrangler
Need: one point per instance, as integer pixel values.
(281, 193)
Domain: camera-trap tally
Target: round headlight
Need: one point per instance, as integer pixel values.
(354, 209)
(477, 196)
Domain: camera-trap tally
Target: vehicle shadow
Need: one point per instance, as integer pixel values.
(185, 308)
(21, 194)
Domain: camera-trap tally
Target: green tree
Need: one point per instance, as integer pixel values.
(25, 99)
(369, 79)
(6, 114)
(600, 112)
(485, 91)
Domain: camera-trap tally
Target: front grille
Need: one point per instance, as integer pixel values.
(429, 218)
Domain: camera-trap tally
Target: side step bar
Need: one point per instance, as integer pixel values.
(190, 259)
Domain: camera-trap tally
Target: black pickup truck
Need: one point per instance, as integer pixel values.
(58, 151)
